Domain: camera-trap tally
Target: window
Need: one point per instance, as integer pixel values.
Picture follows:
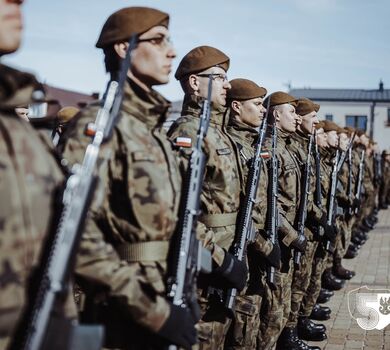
(329, 117)
(356, 121)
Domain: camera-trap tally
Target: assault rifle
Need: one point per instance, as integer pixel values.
(40, 328)
(272, 210)
(318, 187)
(349, 189)
(188, 257)
(360, 178)
(332, 198)
(344, 154)
(245, 232)
(303, 202)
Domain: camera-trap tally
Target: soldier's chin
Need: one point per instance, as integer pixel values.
(9, 45)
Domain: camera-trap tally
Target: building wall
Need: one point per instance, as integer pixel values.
(340, 110)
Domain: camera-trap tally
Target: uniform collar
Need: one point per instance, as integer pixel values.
(192, 105)
(16, 88)
(148, 107)
(246, 132)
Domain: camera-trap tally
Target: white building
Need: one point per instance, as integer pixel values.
(365, 109)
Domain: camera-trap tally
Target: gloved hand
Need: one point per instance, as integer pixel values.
(179, 328)
(330, 232)
(233, 270)
(300, 243)
(274, 258)
(356, 203)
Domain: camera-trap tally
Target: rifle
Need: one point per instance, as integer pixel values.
(272, 212)
(349, 190)
(303, 203)
(332, 198)
(188, 256)
(345, 153)
(377, 169)
(245, 232)
(360, 178)
(318, 189)
(37, 329)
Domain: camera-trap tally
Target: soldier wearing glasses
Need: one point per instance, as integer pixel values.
(123, 255)
(220, 196)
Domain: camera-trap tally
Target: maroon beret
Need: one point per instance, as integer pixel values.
(280, 98)
(306, 106)
(244, 89)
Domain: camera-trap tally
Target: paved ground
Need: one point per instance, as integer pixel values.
(372, 267)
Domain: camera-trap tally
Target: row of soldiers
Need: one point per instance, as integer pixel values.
(314, 202)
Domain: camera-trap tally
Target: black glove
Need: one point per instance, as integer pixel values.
(179, 328)
(330, 232)
(356, 203)
(300, 243)
(233, 270)
(323, 220)
(274, 258)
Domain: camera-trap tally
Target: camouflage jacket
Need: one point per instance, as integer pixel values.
(299, 145)
(123, 250)
(245, 138)
(220, 198)
(30, 180)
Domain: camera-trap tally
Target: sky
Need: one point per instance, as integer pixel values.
(301, 43)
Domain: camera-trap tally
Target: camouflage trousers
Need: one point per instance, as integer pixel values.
(213, 326)
(345, 239)
(245, 327)
(300, 282)
(275, 310)
(312, 292)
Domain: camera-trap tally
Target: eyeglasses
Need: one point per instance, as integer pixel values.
(159, 41)
(214, 76)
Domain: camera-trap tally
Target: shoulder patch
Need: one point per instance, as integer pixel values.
(185, 142)
(265, 154)
(224, 151)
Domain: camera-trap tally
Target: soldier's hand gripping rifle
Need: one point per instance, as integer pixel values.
(245, 231)
(331, 199)
(360, 178)
(188, 256)
(304, 196)
(40, 328)
(272, 207)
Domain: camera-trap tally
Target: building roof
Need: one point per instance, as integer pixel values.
(344, 95)
(68, 97)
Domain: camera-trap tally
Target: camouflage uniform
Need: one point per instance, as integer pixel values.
(301, 278)
(276, 304)
(245, 327)
(219, 203)
(30, 180)
(320, 255)
(122, 260)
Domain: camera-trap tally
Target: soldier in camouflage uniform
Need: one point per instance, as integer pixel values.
(220, 197)
(122, 262)
(315, 216)
(30, 181)
(276, 303)
(246, 109)
(385, 181)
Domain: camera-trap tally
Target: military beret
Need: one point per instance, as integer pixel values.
(360, 132)
(244, 89)
(330, 126)
(199, 59)
(280, 98)
(306, 106)
(320, 125)
(65, 114)
(122, 24)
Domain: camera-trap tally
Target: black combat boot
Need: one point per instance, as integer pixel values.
(289, 340)
(341, 272)
(331, 282)
(324, 296)
(320, 313)
(308, 330)
(352, 252)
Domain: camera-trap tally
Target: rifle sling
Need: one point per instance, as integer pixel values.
(143, 251)
(219, 220)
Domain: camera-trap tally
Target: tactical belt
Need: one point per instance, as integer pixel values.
(219, 220)
(144, 251)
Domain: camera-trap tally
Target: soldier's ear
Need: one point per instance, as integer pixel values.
(236, 106)
(121, 49)
(275, 114)
(193, 82)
